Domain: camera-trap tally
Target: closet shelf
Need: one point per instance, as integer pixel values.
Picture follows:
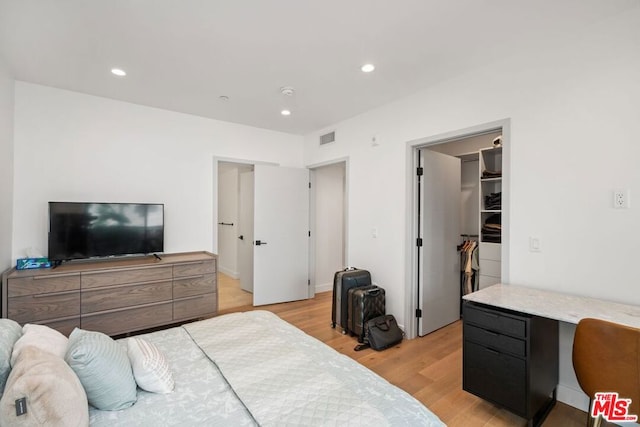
(490, 210)
(498, 179)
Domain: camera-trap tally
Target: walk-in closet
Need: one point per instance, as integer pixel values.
(478, 161)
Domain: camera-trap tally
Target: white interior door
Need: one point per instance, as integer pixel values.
(245, 231)
(440, 225)
(281, 239)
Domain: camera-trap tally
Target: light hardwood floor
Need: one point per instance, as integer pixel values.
(429, 368)
(229, 293)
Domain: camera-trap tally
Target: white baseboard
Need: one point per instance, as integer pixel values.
(324, 287)
(232, 274)
(573, 397)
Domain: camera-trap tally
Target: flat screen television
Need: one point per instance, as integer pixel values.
(93, 230)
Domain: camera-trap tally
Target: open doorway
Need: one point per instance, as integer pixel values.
(235, 225)
(328, 251)
(439, 241)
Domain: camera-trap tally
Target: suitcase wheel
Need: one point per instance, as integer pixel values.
(333, 325)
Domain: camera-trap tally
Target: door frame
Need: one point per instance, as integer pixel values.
(412, 224)
(312, 217)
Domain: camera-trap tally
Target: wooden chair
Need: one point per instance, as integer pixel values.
(606, 358)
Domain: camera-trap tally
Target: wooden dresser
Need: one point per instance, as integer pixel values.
(114, 296)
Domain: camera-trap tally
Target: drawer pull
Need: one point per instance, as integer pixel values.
(199, 276)
(493, 334)
(55, 294)
(490, 350)
(55, 276)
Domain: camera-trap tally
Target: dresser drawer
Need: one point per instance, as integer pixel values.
(129, 319)
(496, 341)
(121, 277)
(64, 326)
(194, 268)
(199, 306)
(34, 308)
(494, 376)
(125, 296)
(34, 285)
(196, 285)
(494, 320)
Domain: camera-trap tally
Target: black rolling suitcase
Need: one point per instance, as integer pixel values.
(364, 304)
(343, 281)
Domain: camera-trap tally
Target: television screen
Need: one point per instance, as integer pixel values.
(88, 230)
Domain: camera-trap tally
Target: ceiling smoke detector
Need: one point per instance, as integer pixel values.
(286, 90)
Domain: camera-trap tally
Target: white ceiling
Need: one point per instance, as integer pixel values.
(182, 55)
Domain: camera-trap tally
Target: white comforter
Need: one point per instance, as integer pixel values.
(285, 377)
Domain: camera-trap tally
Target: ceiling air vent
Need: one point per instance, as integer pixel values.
(327, 138)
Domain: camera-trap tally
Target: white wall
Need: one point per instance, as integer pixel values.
(6, 163)
(70, 146)
(329, 223)
(573, 105)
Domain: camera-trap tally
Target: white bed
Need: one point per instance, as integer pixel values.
(255, 369)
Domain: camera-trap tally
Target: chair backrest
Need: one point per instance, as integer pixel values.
(606, 358)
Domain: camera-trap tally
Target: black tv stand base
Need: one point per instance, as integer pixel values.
(156, 256)
(56, 264)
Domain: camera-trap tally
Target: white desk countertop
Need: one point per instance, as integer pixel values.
(554, 305)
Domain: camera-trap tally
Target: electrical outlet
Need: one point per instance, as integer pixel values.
(621, 199)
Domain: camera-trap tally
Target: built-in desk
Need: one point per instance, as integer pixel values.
(555, 305)
(510, 345)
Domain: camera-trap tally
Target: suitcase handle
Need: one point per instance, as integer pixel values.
(374, 292)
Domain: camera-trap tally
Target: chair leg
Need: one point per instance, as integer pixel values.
(593, 422)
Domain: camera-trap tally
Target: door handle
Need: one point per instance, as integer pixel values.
(241, 237)
(259, 243)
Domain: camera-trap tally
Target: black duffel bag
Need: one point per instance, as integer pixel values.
(382, 332)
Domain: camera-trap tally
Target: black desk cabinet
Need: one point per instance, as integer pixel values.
(511, 359)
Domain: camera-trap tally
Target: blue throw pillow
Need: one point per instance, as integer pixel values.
(103, 367)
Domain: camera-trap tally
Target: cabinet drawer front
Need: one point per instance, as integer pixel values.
(486, 281)
(125, 296)
(127, 320)
(65, 326)
(494, 340)
(121, 277)
(495, 320)
(194, 268)
(34, 308)
(203, 305)
(490, 268)
(496, 377)
(34, 285)
(491, 251)
(197, 285)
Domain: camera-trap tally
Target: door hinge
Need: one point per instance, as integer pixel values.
(419, 242)
(309, 282)
(309, 185)
(420, 171)
(418, 313)
(309, 233)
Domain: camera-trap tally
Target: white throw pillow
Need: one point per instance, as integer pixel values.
(42, 337)
(150, 367)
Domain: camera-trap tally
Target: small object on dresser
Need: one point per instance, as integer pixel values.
(30, 263)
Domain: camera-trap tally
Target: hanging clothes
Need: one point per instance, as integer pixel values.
(469, 266)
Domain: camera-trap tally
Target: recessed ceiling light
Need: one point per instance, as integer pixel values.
(367, 68)
(285, 112)
(118, 72)
(223, 98)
